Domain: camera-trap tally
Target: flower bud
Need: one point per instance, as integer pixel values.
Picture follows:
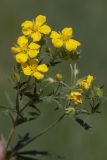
(50, 80)
(58, 77)
(70, 110)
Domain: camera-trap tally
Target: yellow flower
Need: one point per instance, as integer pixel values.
(36, 28)
(86, 83)
(32, 68)
(64, 39)
(76, 97)
(23, 50)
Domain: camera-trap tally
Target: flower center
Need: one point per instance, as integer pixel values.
(65, 37)
(24, 49)
(33, 68)
(35, 28)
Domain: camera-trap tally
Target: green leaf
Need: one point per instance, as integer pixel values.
(95, 108)
(25, 158)
(83, 124)
(33, 153)
(97, 92)
(7, 108)
(22, 141)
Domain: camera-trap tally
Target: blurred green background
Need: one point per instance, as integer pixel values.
(88, 18)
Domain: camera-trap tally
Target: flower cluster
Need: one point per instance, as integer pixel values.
(28, 46)
(34, 57)
(86, 83)
(77, 96)
(30, 55)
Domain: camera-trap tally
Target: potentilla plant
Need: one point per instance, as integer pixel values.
(38, 52)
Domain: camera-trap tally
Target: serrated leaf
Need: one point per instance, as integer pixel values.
(25, 158)
(27, 117)
(95, 108)
(35, 107)
(22, 141)
(34, 153)
(83, 124)
(7, 108)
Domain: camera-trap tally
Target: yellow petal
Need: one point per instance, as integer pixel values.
(33, 45)
(21, 58)
(76, 97)
(55, 35)
(71, 44)
(45, 29)
(27, 27)
(26, 69)
(27, 24)
(22, 41)
(67, 32)
(38, 75)
(15, 49)
(40, 20)
(26, 32)
(42, 68)
(84, 85)
(57, 43)
(33, 53)
(90, 78)
(36, 36)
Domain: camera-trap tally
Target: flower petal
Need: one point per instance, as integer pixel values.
(57, 43)
(40, 20)
(42, 68)
(76, 97)
(55, 35)
(38, 75)
(36, 36)
(33, 45)
(45, 29)
(71, 44)
(22, 41)
(90, 78)
(26, 69)
(21, 58)
(67, 32)
(27, 27)
(15, 49)
(33, 53)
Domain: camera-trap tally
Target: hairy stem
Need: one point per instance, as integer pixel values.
(44, 131)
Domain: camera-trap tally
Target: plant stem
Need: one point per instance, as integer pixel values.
(11, 133)
(72, 73)
(10, 137)
(44, 131)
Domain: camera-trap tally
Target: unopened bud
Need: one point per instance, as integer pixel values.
(70, 110)
(58, 77)
(50, 80)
